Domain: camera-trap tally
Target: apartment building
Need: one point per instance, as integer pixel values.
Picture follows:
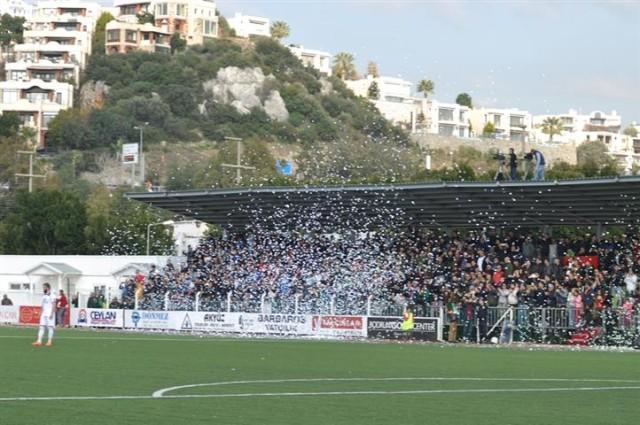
(395, 101)
(250, 26)
(315, 58)
(578, 128)
(125, 37)
(509, 124)
(41, 74)
(445, 119)
(129, 10)
(195, 20)
(18, 8)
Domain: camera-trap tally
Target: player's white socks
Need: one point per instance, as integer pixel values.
(40, 334)
(51, 333)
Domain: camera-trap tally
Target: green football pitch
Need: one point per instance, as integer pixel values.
(129, 378)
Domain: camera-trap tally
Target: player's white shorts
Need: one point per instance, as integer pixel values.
(47, 320)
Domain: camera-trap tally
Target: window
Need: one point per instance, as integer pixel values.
(445, 130)
(59, 98)
(36, 97)
(517, 136)
(113, 35)
(181, 10)
(20, 287)
(44, 76)
(18, 75)
(131, 36)
(391, 98)
(9, 96)
(210, 28)
(162, 9)
(46, 119)
(445, 114)
(517, 121)
(497, 120)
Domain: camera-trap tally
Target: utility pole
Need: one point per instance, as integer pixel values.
(238, 166)
(31, 176)
(141, 147)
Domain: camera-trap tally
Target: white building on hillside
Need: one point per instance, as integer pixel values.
(395, 101)
(315, 58)
(578, 128)
(250, 26)
(195, 20)
(42, 71)
(126, 37)
(129, 10)
(446, 119)
(18, 8)
(509, 124)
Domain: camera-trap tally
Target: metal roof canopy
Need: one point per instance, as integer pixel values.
(606, 201)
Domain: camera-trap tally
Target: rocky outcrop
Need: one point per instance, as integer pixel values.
(245, 89)
(92, 95)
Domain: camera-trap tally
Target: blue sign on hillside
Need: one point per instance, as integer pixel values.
(284, 167)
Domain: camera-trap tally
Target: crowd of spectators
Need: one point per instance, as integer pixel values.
(465, 273)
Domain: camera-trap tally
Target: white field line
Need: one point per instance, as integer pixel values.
(186, 338)
(160, 394)
(323, 393)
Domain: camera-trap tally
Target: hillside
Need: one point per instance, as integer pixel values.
(261, 93)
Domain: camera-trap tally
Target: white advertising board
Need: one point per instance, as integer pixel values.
(97, 318)
(205, 322)
(276, 324)
(9, 314)
(142, 319)
(130, 153)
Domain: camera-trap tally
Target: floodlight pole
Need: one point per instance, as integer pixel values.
(238, 165)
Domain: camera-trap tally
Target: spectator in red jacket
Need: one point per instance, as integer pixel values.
(61, 308)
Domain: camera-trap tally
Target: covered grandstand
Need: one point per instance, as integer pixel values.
(587, 202)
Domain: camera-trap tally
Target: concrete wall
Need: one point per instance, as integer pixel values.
(552, 152)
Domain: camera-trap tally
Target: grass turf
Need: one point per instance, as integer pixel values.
(85, 363)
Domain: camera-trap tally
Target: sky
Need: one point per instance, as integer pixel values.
(543, 56)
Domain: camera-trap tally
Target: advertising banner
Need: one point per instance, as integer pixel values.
(426, 328)
(205, 322)
(9, 314)
(97, 318)
(29, 315)
(130, 153)
(339, 326)
(276, 324)
(142, 319)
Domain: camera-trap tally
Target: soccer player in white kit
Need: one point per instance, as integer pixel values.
(47, 316)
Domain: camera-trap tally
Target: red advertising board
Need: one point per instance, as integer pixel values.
(336, 326)
(29, 315)
(337, 322)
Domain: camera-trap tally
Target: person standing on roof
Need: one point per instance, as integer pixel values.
(538, 171)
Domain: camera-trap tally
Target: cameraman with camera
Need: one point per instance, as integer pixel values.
(499, 176)
(538, 171)
(513, 165)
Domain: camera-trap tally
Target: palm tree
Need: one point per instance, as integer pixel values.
(343, 66)
(280, 30)
(426, 87)
(552, 126)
